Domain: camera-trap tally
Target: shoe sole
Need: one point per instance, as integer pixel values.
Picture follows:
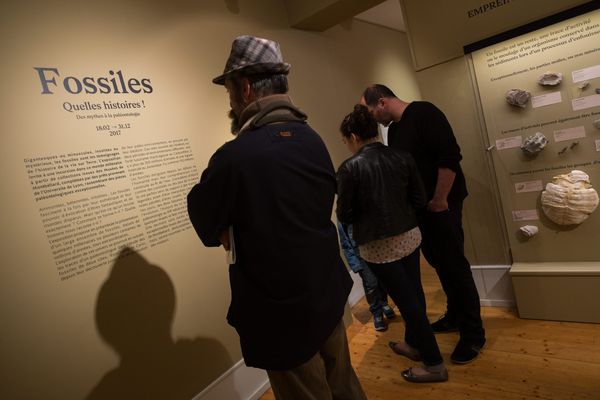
(464, 362)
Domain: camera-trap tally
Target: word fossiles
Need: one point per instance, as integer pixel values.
(115, 83)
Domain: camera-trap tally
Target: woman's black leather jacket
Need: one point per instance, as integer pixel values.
(379, 191)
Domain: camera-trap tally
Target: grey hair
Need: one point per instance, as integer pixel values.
(265, 84)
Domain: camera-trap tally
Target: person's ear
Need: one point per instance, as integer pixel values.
(382, 102)
(246, 90)
(354, 137)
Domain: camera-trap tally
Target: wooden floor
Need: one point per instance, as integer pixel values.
(522, 360)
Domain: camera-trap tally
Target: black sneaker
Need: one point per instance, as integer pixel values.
(444, 325)
(388, 312)
(379, 323)
(466, 352)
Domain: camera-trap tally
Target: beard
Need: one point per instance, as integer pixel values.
(235, 122)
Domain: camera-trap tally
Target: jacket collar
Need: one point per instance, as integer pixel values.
(268, 110)
(369, 146)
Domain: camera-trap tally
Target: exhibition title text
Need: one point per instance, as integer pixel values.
(115, 83)
(489, 6)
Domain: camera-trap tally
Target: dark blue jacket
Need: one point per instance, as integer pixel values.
(276, 185)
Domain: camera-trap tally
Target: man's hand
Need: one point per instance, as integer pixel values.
(444, 183)
(437, 205)
(224, 239)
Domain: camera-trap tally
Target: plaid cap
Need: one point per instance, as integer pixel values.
(253, 55)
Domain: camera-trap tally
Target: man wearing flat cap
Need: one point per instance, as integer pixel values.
(267, 197)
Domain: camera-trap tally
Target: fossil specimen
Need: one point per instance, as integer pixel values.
(569, 199)
(518, 97)
(550, 79)
(529, 230)
(534, 144)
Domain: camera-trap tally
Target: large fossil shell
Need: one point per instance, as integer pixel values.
(534, 144)
(569, 199)
(550, 79)
(518, 97)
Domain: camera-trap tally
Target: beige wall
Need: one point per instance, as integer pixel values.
(432, 24)
(320, 15)
(50, 346)
(485, 243)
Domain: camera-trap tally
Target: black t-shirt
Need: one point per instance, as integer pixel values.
(425, 133)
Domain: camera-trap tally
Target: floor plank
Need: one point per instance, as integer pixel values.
(523, 359)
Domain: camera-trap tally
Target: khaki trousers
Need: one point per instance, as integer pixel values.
(328, 375)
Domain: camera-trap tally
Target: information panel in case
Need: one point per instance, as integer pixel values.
(557, 70)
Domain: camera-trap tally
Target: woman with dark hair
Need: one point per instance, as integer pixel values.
(379, 190)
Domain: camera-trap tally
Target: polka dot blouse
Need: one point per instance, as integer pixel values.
(390, 249)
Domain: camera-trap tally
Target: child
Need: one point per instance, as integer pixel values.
(374, 291)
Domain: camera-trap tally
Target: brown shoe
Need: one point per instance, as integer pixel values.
(429, 377)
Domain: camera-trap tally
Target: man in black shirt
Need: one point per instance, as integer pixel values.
(421, 129)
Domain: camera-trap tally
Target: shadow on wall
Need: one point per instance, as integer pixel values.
(134, 314)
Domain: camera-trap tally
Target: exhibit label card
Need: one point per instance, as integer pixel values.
(598, 145)
(569, 133)
(525, 215)
(546, 99)
(582, 103)
(529, 186)
(509, 143)
(586, 73)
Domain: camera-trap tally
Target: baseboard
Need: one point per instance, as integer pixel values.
(497, 303)
(494, 285)
(238, 383)
(496, 267)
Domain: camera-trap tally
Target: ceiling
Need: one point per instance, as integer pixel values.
(388, 14)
